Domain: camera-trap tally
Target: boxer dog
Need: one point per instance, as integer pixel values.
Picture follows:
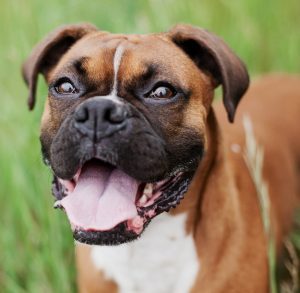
(149, 172)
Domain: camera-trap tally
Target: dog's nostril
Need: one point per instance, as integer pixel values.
(115, 115)
(82, 115)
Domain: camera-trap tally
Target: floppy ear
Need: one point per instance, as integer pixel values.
(215, 58)
(47, 53)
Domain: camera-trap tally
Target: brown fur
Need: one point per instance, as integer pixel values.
(229, 234)
(89, 279)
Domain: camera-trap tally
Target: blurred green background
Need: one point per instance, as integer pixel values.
(36, 246)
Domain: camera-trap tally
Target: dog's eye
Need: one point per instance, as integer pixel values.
(65, 88)
(161, 92)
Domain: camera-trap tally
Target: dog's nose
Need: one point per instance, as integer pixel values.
(99, 118)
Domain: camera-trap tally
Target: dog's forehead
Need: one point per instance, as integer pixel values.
(136, 54)
(97, 43)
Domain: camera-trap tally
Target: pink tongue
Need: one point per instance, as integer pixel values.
(103, 198)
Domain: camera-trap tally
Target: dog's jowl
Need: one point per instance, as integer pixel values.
(144, 163)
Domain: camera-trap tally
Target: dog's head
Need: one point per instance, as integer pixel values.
(124, 126)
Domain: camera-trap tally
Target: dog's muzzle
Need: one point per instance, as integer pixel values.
(111, 172)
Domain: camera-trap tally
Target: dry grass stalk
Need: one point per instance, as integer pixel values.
(254, 156)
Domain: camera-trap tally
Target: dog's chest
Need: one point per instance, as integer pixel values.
(163, 260)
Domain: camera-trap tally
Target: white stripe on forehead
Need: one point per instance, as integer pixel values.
(117, 61)
(113, 96)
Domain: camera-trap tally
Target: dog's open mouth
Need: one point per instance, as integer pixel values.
(106, 206)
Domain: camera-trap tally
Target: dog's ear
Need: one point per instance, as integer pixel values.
(214, 57)
(47, 53)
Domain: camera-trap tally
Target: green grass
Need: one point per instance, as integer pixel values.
(36, 247)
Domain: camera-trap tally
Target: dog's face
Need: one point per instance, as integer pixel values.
(124, 126)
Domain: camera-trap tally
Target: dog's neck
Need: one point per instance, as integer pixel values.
(215, 200)
(192, 202)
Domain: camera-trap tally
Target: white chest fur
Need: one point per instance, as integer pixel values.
(163, 260)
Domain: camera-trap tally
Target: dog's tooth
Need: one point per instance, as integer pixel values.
(148, 189)
(75, 178)
(57, 204)
(143, 199)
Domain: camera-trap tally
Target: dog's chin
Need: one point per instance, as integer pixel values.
(117, 235)
(105, 206)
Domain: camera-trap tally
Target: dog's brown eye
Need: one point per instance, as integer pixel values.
(65, 88)
(161, 92)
